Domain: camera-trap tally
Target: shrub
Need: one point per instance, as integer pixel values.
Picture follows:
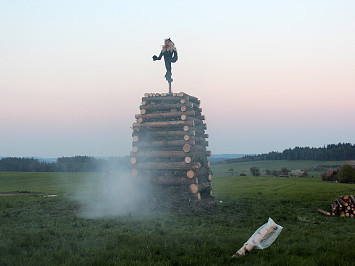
(346, 174)
(255, 171)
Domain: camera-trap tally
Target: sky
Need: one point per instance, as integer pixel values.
(270, 75)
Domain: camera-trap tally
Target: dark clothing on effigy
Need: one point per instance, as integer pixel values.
(169, 57)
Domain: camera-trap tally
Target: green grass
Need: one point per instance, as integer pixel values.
(47, 231)
(244, 167)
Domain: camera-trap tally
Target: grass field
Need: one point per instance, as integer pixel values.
(38, 230)
(244, 167)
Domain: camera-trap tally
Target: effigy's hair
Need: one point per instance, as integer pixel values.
(168, 47)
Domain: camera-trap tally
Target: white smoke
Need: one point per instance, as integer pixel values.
(112, 194)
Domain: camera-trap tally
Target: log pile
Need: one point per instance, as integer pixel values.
(344, 206)
(169, 146)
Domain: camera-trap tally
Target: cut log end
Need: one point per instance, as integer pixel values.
(135, 138)
(194, 188)
(188, 159)
(133, 160)
(190, 174)
(186, 148)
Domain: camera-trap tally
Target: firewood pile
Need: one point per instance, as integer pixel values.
(344, 206)
(169, 147)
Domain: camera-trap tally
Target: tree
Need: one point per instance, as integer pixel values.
(346, 174)
(255, 171)
(275, 173)
(284, 171)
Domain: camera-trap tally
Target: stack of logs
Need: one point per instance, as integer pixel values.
(169, 145)
(344, 206)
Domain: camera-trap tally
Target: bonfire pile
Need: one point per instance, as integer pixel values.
(169, 145)
(344, 206)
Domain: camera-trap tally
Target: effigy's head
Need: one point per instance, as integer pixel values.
(168, 42)
(168, 45)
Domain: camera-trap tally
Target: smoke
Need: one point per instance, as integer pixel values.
(114, 193)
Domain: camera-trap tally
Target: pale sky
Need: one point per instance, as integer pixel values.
(270, 75)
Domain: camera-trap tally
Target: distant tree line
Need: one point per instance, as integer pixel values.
(331, 152)
(63, 164)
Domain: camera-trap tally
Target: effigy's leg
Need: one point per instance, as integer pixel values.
(168, 76)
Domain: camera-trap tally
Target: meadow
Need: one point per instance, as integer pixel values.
(39, 230)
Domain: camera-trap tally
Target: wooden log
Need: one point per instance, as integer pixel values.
(191, 98)
(352, 199)
(204, 186)
(343, 202)
(166, 106)
(180, 180)
(135, 138)
(167, 165)
(166, 114)
(210, 177)
(186, 148)
(188, 159)
(194, 188)
(163, 154)
(263, 234)
(198, 196)
(164, 124)
(190, 174)
(133, 160)
(163, 133)
(197, 118)
(323, 212)
(164, 143)
(165, 98)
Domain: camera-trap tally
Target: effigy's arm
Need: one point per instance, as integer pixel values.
(175, 57)
(157, 57)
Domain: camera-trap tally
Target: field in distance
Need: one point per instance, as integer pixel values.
(314, 168)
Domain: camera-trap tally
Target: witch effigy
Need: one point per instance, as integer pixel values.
(170, 56)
